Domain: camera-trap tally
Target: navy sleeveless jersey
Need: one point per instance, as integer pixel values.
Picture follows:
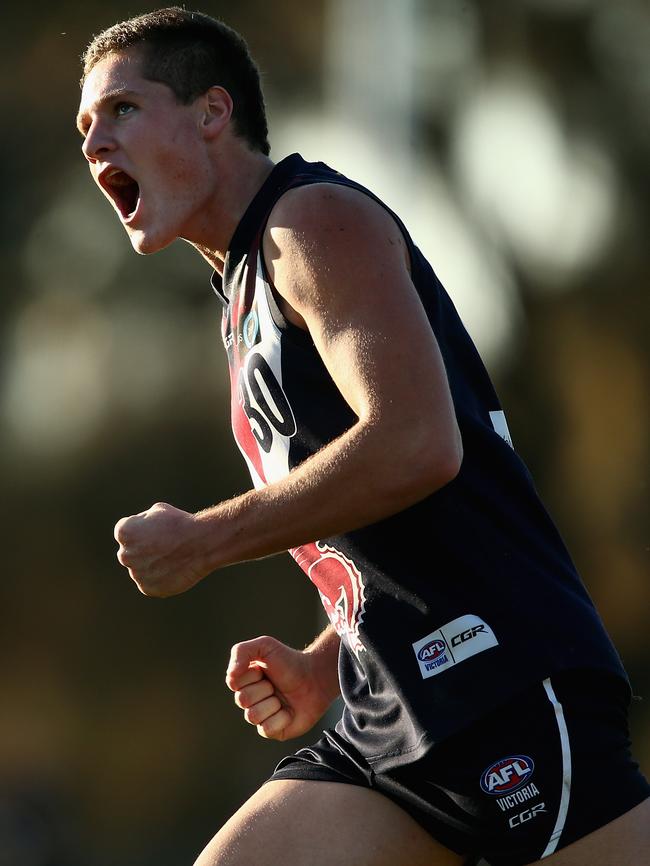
(451, 607)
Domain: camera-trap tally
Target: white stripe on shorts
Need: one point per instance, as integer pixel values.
(566, 770)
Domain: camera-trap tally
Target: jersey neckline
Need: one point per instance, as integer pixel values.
(256, 210)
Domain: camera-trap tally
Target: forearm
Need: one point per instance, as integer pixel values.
(324, 654)
(353, 481)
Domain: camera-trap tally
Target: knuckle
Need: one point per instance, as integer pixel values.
(277, 734)
(250, 676)
(237, 655)
(120, 532)
(235, 650)
(262, 711)
(273, 728)
(253, 716)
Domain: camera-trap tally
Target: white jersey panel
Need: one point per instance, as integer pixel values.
(270, 415)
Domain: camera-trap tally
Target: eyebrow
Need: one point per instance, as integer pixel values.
(110, 96)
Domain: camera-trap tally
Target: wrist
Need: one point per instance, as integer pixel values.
(210, 539)
(233, 531)
(322, 655)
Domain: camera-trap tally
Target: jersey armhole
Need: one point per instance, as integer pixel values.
(300, 335)
(280, 320)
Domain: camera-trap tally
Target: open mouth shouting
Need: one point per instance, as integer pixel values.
(123, 191)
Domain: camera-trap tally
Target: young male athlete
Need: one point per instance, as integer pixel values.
(485, 707)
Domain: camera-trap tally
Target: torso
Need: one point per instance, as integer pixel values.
(451, 607)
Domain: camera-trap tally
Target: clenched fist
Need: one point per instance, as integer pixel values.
(161, 549)
(282, 691)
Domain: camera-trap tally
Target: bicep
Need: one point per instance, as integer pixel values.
(341, 264)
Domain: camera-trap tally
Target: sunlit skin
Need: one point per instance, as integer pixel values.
(173, 152)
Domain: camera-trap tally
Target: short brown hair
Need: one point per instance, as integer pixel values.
(191, 52)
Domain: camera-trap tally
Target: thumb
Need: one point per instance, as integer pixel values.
(247, 659)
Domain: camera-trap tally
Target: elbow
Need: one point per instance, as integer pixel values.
(428, 466)
(456, 457)
(442, 464)
(416, 461)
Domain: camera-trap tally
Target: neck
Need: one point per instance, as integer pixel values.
(240, 174)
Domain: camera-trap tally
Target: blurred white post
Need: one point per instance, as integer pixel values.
(370, 67)
(369, 74)
(369, 96)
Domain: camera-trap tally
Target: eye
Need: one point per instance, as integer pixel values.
(123, 108)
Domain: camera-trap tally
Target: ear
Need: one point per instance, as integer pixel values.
(216, 111)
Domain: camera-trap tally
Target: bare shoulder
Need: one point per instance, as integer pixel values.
(329, 205)
(325, 230)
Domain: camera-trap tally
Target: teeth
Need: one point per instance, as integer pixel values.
(117, 177)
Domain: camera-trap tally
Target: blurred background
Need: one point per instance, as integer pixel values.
(513, 136)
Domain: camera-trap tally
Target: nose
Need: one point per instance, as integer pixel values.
(97, 142)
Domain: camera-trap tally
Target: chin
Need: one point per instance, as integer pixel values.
(145, 245)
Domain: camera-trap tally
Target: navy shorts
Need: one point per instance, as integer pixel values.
(530, 778)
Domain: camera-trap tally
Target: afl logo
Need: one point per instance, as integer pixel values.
(432, 651)
(506, 775)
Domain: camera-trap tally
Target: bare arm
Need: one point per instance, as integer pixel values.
(337, 259)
